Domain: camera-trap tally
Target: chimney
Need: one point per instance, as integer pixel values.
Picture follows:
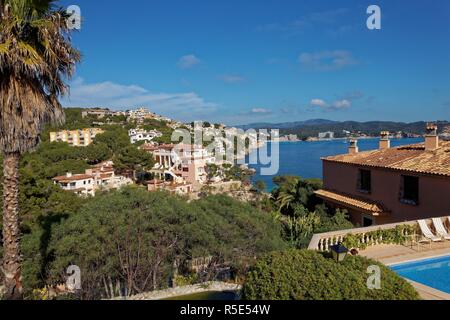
(385, 143)
(431, 138)
(353, 148)
(69, 174)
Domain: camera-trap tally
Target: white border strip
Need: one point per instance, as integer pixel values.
(394, 264)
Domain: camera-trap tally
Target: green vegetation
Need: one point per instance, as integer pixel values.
(260, 186)
(134, 237)
(37, 59)
(229, 172)
(75, 121)
(301, 213)
(161, 126)
(308, 275)
(398, 236)
(43, 204)
(131, 239)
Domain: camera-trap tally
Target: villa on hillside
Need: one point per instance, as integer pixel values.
(180, 163)
(99, 177)
(139, 135)
(183, 188)
(101, 113)
(141, 114)
(390, 185)
(76, 138)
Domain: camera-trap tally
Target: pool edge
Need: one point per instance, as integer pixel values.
(425, 292)
(428, 293)
(394, 264)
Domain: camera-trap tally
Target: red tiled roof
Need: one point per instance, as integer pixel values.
(368, 206)
(412, 158)
(75, 177)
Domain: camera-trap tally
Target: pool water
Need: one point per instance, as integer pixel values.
(434, 273)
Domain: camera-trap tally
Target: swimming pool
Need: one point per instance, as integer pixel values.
(434, 273)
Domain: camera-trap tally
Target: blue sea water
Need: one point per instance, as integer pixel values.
(303, 158)
(434, 273)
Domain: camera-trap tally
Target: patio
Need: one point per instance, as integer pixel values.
(416, 248)
(395, 254)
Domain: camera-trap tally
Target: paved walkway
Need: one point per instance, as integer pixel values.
(395, 254)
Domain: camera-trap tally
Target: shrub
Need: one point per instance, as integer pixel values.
(399, 236)
(132, 237)
(309, 275)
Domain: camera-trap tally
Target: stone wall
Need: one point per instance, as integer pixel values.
(186, 290)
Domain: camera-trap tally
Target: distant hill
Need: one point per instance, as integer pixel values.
(311, 128)
(287, 125)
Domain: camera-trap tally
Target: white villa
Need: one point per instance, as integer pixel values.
(100, 177)
(138, 135)
(181, 163)
(139, 115)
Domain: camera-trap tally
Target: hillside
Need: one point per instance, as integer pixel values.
(287, 125)
(311, 128)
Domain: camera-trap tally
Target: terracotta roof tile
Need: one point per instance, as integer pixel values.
(412, 158)
(75, 177)
(369, 206)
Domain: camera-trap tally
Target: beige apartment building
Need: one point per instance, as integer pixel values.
(76, 138)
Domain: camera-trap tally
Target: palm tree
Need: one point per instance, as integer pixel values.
(36, 58)
(287, 195)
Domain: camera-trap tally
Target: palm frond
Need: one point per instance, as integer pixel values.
(36, 58)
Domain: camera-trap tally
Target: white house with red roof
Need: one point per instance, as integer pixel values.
(99, 177)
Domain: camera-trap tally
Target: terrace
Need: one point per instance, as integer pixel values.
(390, 244)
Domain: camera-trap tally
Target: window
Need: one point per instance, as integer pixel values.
(367, 222)
(365, 181)
(410, 190)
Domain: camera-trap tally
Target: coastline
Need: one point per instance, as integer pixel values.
(337, 139)
(304, 159)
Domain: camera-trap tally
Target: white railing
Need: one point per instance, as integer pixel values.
(323, 241)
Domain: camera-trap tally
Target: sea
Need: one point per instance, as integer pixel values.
(303, 159)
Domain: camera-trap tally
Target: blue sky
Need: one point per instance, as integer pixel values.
(250, 61)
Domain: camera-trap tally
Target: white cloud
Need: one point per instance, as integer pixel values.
(188, 61)
(336, 105)
(318, 103)
(261, 111)
(183, 106)
(342, 104)
(232, 78)
(327, 60)
(255, 112)
(308, 21)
